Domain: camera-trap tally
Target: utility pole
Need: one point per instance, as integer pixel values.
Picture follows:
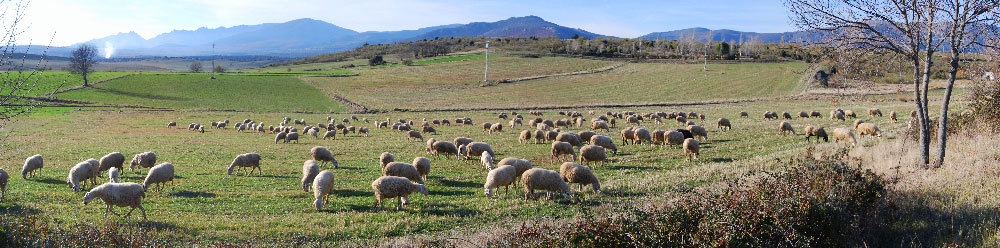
(213, 60)
(486, 75)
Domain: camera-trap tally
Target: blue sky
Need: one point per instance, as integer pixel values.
(75, 21)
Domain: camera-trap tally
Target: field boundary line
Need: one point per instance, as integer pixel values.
(93, 84)
(585, 72)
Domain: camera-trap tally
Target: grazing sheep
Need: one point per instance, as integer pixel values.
(487, 126)
(548, 123)
(323, 155)
(118, 194)
(423, 166)
(540, 136)
(309, 172)
(579, 174)
(143, 160)
(570, 138)
(552, 135)
(429, 129)
(604, 141)
(501, 176)
(313, 132)
(292, 136)
(524, 137)
(461, 141)
(691, 147)
(385, 158)
(251, 160)
(364, 130)
(874, 112)
(322, 187)
(586, 135)
(542, 126)
(520, 164)
(592, 153)
(803, 114)
(674, 138)
(32, 165)
(850, 113)
(476, 149)
(486, 160)
(633, 120)
(413, 135)
(390, 186)
(858, 122)
(785, 127)
(640, 135)
(843, 134)
(159, 174)
(401, 169)
(627, 134)
(172, 124)
(816, 114)
(560, 148)
(892, 116)
(819, 132)
(444, 147)
(838, 115)
(80, 172)
(869, 129)
(496, 128)
(744, 114)
(281, 136)
(724, 124)
(114, 175)
(690, 123)
(698, 132)
(329, 134)
(4, 177)
(659, 137)
(680, 119)
(542, 179)
(600, 125)
(786, 115)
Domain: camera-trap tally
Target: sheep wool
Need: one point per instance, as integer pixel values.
(309, 172)
(502, 176)
(395, 187)
(579, 174)
(292, 136)
(521, 165)
(524, 137)
(843, 134)
(691, 147)
(4, 177)
(118, 194)
(698, 132)
(113, 175)
(869, 129)
(785, 128)
(385, 158)
(592, 153)
(329, 134)
(604, 141)
(322, 187)
(560, 148)
(281, 136)
(246, 160)
(725, 125)
(401, 169)
(159, 175)
(423, 166)
(79, 174)
(32, 165)
(542, 179)
(445, 147)
(323, 155)
(112, 160)
(143, 160)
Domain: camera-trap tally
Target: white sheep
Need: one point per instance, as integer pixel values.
(524, 137)
(604, 141)
(118, 194)
(251, 160)
(32, 165)
(560, 148)
(385, 158)
(398, 187)
(159, 175)
(82, 171)
(819, 132)
(674, 138)
(869, 129)
(843, 134)
(113, 175)
(143, 160)
(785, 128)
(401, 169)
(309, 172)
(4, 177)
(579, 174)
(322, 187)
(112, 160)
(486, 160)
(542, 179)
(476, 149)
(724, 124)
(281, 136)
(698, 132)
(691, 148)
(501, 176)
(445, 147)
(323, 155)
(593, 153)
(292, 136)
(423, 166)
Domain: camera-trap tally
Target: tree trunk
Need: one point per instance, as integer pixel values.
(943, 124)
(85, 79)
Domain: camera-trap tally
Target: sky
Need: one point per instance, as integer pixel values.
(67, 22)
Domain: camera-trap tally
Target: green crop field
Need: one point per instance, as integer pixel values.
(48, 81)
(198, 91)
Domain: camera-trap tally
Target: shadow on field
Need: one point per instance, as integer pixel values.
(139, 95)
(450, 193)
(726, 140)
(192, 194)
(273, 176)
(722, 160)
(17, 209)
(919, 219)
(453, 183)
(443, 209)
(349, 193)
(631, 167)
(49, 181)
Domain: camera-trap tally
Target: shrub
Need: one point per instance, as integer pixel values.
(408, 62)
(376, 60)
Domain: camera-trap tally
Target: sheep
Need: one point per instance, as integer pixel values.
(292, 136)
(118, 194)
(680, 119)
(82, 171)
(640, 135)
(604, 141)
(281, 136)
(600, 125)
(496, 128)
(560, 148)
(322, 187)
(819, 132)
(850, 113)
(585, 135)
(837, 115)
(658, 137)
(113, 175)
(892, 116)
(487, 126)
(486, 160)
(401, 169)
(423, 166)
(313, 132)
(570, 138)
(323, 155)
(627, 134)
(112, 160)
(869, 129)
(548, 123)
(552, 135)
(444, 147)
(309, 172)
(724, 124)
(501, 176)
(520, 164)
(398, 187)
(429, 129)
(159, 175)
(143, 160)
(246, 160)
(785, 127)
(32, 165)
(329, 134)
(786, 115)
(858, 122)
(744, 114)
(592, 153)
(674, 138)
(698, 132)
(460, 141)
(633, 120)
(476, 149)
(690, 123)
(872, 112)
(364, 130)
(542, 126)
(803, 114)
(413, 135)
(579, 174)
(540, 136)
(4, 177)
(691, 147)
(524, 137)
(816, 114)
(701, 117)
(385, 158)
(542, 179)
(843, 134)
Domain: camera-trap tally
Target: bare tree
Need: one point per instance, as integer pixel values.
(969, 22)
(83, 61)
(195, 67)
(19, 81)
(904, 27)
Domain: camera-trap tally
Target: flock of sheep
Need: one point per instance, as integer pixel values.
(399, 179)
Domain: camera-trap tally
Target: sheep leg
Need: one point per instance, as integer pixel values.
(399, 200)
(251, 170)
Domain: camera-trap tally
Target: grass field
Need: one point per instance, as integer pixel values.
(198, 92)
(209, 205)
(48, 81)
(455, 85)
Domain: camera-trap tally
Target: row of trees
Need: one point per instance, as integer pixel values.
(913, 31)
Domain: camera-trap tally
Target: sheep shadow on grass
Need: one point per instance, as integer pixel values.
(139, 95)
(48, 181)
(722, 160)
(352, 193)
(444, 209)
(460, 184)
(449, 193)
(192, 194)
(17, 209)
(628, 167)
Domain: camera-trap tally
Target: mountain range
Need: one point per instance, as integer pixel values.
(308, 37)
